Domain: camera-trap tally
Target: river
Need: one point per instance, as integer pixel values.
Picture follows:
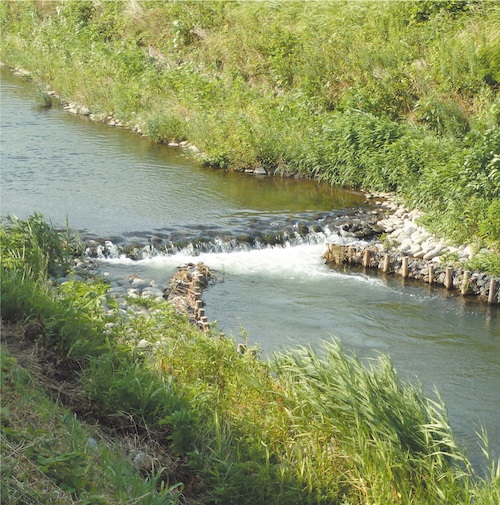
(112, 184)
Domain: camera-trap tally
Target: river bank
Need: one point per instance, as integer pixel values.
(407, 249)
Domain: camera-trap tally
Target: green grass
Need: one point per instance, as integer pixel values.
(381, 95)
(300, 428)
(49, 456)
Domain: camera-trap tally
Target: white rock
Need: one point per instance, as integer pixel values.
(469, 251)
(117, 290)
(403, 237)
(415, 249)
(139, 283)
(409, 227)
(396, 233)
(437, 251)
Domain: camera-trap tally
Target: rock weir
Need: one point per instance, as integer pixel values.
(464, 282)
(184, 292)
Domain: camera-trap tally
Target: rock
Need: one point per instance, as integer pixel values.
(143, 462)
(409, 227)
(419, 237)
(437, 251)
(396, 233)
(138, 282)
(153, 291)
(117, 290)
(403, 237)
(415, 249)
(148, 294)
(260, 171)
(419, 254)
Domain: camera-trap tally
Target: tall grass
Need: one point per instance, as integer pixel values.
(398, 440)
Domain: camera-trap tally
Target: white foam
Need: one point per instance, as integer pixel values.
(302, 262)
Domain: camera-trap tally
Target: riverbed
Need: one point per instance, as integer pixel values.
(114, 185)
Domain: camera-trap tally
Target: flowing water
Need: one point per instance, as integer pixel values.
(112, 184)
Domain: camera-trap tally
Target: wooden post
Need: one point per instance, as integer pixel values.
(404, 267)
(447, 278)
(491, 294)
(431, 273)
(366, 258)
(201, 313)
(204, 324)
(350, 253)
(465, 283)
(387, 262)
(197, 295)
(197, 307)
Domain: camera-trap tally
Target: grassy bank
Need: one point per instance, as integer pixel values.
(229, 427)
(398, 96)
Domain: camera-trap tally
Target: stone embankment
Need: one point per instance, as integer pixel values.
(184, 292)
(133, 295)
(410, 251)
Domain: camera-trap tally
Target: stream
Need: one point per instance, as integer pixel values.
(264, 237)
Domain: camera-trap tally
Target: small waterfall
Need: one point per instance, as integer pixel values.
(264, 235)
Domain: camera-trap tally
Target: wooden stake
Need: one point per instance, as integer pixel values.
(204, 324)
(447, 278)
(491, 294)
(465, 282)
(431, 273)
(366, 258)
(387, 262)
(404, 267)
(350, 253)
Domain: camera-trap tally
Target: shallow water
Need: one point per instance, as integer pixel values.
(111, 183)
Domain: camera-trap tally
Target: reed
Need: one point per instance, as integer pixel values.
(397, 439)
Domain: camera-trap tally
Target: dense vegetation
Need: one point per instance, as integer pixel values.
(381, 95)
(296, 429)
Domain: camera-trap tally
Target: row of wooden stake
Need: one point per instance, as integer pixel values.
(199, 311)
(448, 280)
